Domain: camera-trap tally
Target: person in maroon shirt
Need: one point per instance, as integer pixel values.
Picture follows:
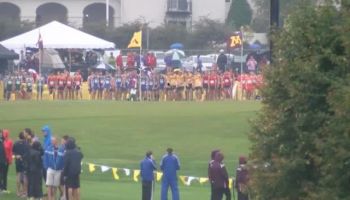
(242, 179)
(219, 178)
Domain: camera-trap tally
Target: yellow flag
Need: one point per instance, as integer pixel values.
(136, 40)
(183, 179)
(92, 167)
(230, 183)
(136, 175)
(115, 174)
(159, 176)
(203, 180)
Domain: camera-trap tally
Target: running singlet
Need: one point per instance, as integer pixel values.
(118, 81)
(212, 82)
(18, 84)
(95, 83)
(29, 85)
(61, 84)
(227, 81)
(143, 83)
(9, 85)
(69, 83)
(150, 84)
(107, 84)
(51, 81)
(162, 83)
(205, 81)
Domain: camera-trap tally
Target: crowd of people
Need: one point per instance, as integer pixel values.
(217, 174)
(56, 163)
(175, 85)
(136, 78)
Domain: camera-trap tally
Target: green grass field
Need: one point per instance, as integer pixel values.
(118, 134)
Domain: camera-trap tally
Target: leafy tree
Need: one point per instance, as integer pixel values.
(301, 139)
(240, 14)
(208, 33)
(261, 21)
(163, 36)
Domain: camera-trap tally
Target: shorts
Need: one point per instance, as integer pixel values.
(72, 182)
(20, 166)
(53, 177)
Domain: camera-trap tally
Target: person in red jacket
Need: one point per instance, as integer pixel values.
(130, 60)
(152, 61)
(4, 166)
(119, 62)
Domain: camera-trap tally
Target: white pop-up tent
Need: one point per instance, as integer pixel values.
(57, 36)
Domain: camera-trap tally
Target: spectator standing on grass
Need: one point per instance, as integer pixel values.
(62, 188)
(20, 150)
(242, 179)
(222, 61)
(219, 178)
(34, 171)
(53, 158)
(147, 168)
(72, 169)
(212, 156)
(169, 165)
(6, 159)
(46, 130)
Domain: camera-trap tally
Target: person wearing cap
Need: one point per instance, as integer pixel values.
(147, 167)
(169, 165)
(222, 61)
(242, 179)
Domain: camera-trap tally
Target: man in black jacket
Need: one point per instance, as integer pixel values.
(222, 61)
(72, 169)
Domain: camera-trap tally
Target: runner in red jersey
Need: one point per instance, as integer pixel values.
(78, 80)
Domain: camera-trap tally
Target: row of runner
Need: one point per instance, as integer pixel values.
(172, 86)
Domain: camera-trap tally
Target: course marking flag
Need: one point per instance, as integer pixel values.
(136, 40)
(159, 176)
(203, 180)
(190, 179)
(230, 183)
(127, 171)
(183, 179)
(136, 175)
(115, 173)
(92, 167)
(104, 168)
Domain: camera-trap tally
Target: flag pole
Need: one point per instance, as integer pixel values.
(140, 91)
(39, 78)
(242, 39)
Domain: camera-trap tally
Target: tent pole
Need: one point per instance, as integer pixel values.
(107, 13)
(70, 60)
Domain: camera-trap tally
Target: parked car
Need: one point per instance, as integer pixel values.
(190, 63)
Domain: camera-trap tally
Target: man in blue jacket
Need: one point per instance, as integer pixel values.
(169, 165)
(46, 130)
(54, 164)
(147, 167)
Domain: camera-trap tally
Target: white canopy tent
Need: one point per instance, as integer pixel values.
(57, 36)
